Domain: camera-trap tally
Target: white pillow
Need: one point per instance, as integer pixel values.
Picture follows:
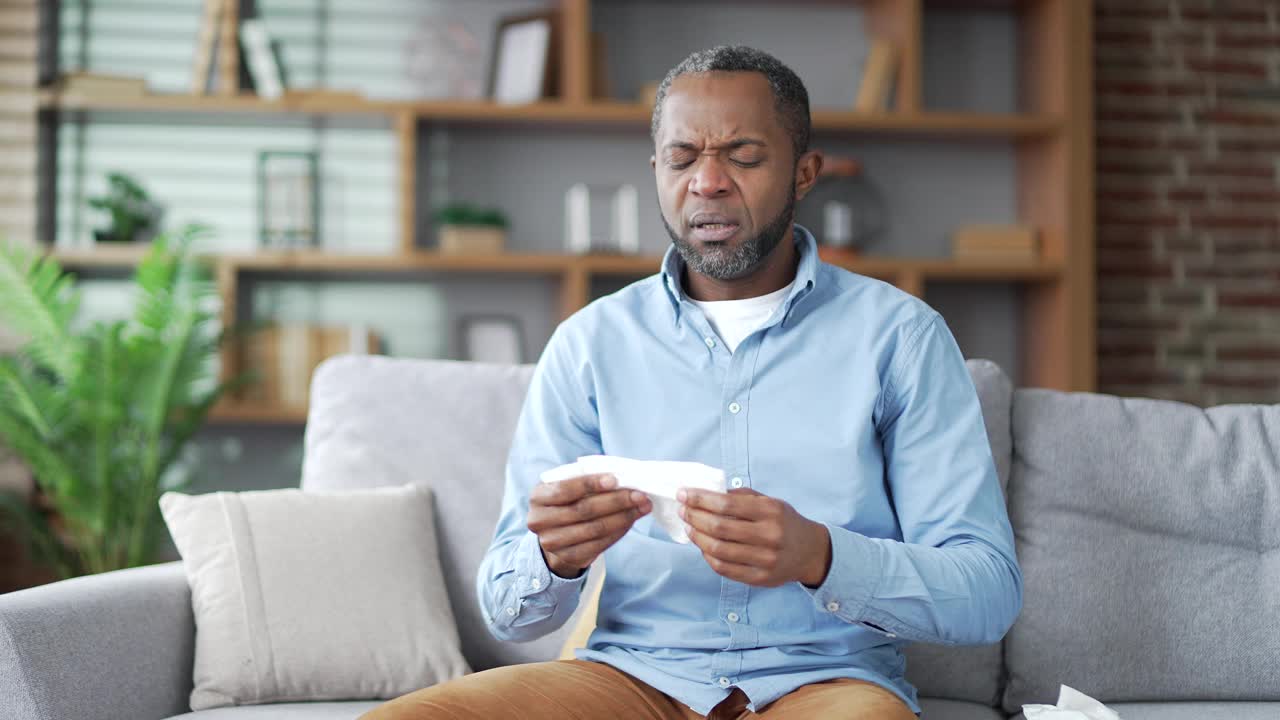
(314, 595)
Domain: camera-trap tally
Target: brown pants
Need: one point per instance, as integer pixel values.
(582, 690)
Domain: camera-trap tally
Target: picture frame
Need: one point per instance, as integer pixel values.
(288, 199)
(523, 63)
(491, 338)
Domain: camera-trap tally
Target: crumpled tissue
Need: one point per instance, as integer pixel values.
(659, 479)
(1072, 705)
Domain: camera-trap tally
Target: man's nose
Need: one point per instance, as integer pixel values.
(710, 179)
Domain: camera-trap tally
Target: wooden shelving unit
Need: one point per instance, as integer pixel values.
(1052, 137)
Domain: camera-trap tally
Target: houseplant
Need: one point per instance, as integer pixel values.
(130, 208)
(470, 229)
(100, 413)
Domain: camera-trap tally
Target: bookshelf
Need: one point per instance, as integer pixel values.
(1050, 135)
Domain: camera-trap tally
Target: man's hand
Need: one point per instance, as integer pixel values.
(756, 539)
(577, 519)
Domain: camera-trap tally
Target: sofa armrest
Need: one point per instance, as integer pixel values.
(115, 645)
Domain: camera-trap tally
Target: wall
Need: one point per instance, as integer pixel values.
(1188, 192)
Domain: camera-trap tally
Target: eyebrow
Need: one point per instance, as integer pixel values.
(733, 144)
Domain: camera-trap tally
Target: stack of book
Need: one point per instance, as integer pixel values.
(232, 50)
(995, 242)
(282, 358)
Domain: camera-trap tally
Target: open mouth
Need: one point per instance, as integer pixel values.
(707, 227)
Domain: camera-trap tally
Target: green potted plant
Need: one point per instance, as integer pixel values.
(129, 207)
(100, 413)
(466, 228)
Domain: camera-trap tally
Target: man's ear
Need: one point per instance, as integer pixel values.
(807, 171)
(653, 162)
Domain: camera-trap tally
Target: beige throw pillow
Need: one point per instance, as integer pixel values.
(315, 595)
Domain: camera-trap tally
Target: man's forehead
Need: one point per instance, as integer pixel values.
(719, 107)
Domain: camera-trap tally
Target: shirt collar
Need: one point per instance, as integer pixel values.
(806, 272)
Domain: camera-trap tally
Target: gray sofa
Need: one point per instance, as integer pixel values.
(1147, 533)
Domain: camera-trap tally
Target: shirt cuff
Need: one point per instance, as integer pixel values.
(534, 578)
(855, 575)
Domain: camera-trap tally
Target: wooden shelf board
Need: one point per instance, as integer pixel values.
(418, 261)
(599, 112)
(552, 263)
(104, 256)
(233, 412)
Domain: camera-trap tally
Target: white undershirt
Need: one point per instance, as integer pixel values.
(734, 320)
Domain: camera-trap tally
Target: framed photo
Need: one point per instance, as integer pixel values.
(288, 199)
(491, 339)
(522, 68)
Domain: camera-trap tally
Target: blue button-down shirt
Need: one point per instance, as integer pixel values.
(852, 403)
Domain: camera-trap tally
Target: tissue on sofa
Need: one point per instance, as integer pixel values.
(1072, 705)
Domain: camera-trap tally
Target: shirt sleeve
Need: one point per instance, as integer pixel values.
(954, 578)
(520, 598)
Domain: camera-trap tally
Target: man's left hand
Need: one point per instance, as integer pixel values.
(756, 539)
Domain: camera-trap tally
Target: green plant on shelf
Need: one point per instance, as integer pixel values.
(465, 215)
(100, 412)
(129, 207)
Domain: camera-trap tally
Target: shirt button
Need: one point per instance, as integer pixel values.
(736, 482)
(511, 611)
(537, 584)
(732, 617)
(833, 606)
(724, 682)
(734, 408)
(711, 342)
(891, 635)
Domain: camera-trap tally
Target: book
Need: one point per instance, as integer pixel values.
(227, 65)
(986, 237)
(996, 242)
(206, 45)
(264, 67)
(877, 77)
(284, 356)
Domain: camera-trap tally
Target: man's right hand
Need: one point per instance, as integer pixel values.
(577, 519)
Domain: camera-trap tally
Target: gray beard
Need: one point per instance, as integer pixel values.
(734, 263)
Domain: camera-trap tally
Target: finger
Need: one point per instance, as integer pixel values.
(588, 508)
(730, 528)
(586, 553)
(736, 553)
(565, 492)
(748, 506)
(740, 573)
(558, 538)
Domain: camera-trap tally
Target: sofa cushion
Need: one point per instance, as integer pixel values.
(971, 673)
(1193, 711)
(314, 595)
(349, 710)
(448, 425)
(939, 709)
(1146, 534)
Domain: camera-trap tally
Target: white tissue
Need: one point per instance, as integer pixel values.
(658, 479)
(1072, 705)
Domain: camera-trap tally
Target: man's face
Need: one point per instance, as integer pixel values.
(725, 172)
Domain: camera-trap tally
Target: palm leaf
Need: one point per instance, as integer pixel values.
(38, 300)
(33, 397)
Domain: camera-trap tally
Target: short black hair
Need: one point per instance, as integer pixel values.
(790, 96)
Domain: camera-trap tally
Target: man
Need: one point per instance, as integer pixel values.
(864, 513)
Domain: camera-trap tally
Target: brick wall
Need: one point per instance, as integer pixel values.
(1188, 199)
